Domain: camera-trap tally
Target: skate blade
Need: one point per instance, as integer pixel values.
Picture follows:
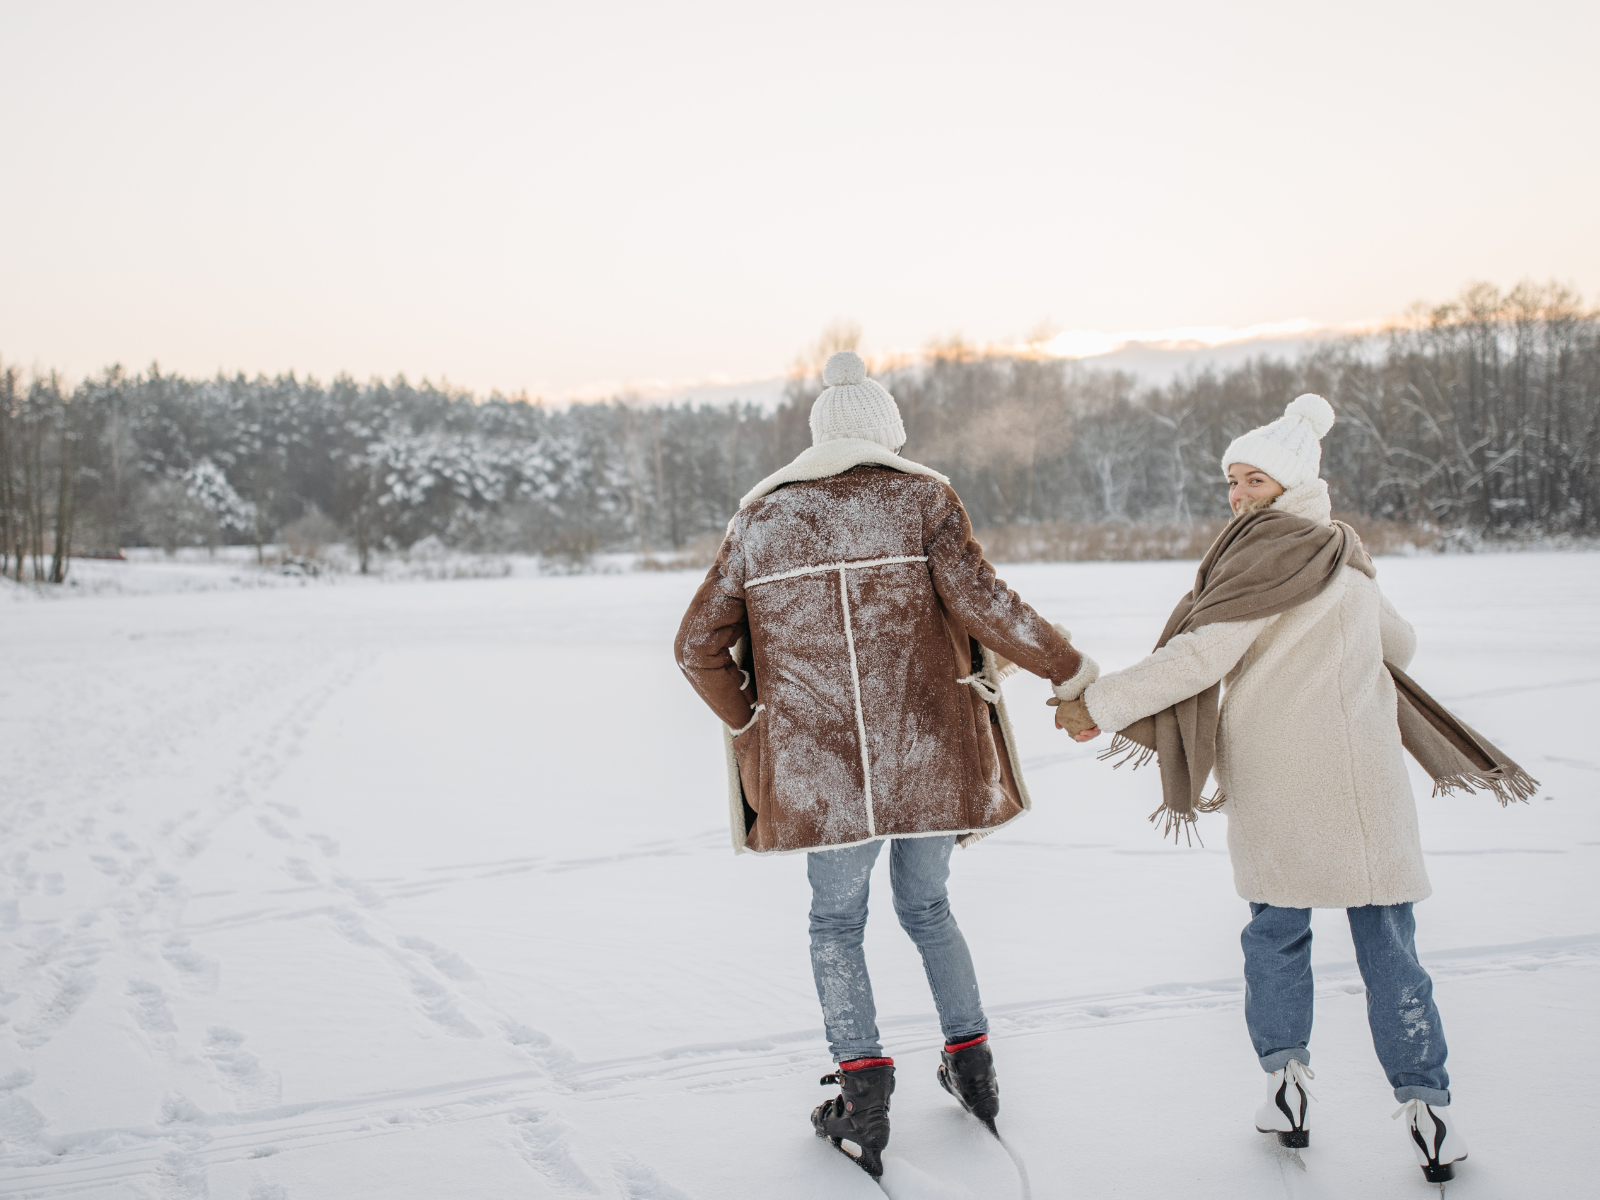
(944, 1082)
(1289, 1154)
(1293, 1139)
(870, 1161)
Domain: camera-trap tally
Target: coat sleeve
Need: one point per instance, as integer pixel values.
(1185, 666)
(990, 611)
(714, 624)
(1399, 639)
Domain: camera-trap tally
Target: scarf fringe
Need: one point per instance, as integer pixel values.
(1129, 750)
(1504, 785)
(1171, 823)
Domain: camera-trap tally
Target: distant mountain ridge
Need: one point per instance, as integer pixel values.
(1157, 363)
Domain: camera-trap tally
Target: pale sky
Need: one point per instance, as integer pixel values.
(552, 197)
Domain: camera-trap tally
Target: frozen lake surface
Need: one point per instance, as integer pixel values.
(423, 890)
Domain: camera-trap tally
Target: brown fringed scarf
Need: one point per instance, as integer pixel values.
(1264, 563)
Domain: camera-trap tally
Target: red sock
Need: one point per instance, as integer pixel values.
(977, 1041)
(861, 1064)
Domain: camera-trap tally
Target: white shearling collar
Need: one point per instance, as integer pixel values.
(832, 458)
(1309, 500)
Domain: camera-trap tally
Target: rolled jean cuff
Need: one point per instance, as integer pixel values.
(1438, 1097)
(1279, 1059)
(844, 1051)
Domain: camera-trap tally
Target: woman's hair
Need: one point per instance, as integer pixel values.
(1252, 504)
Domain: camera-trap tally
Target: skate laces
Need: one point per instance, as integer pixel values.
(1410, 1106)
(1296, 1072)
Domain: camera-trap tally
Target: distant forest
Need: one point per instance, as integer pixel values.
(1481, 415)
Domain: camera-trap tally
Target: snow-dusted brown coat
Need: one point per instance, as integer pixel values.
(860, 605)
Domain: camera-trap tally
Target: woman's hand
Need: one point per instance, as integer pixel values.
(1073, 716)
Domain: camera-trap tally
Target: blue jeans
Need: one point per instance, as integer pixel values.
(918, 870)
(1406, 1031)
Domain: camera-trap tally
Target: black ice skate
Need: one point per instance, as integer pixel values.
(966, 1071)
(856, 1121)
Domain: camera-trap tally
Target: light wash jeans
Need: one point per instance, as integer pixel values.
(918, 870)
(1406, 1031)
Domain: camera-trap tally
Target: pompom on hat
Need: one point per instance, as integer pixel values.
(1290, 448)
(854, 406)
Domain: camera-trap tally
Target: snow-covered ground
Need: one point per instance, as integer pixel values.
(150, 572)
(424, 890)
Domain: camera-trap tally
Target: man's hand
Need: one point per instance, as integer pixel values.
(1073, 716)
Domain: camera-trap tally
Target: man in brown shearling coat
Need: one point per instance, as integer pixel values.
(851, 637)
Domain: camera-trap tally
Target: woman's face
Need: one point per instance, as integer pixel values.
(1247, 483)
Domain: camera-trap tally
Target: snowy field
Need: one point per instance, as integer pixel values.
(423, 890)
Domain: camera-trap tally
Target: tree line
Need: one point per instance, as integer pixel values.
(1480, 415)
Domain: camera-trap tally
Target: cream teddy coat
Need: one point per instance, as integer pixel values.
(1319, 805)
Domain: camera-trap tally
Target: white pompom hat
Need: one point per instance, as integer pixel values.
(854, 406)
(1290, 448)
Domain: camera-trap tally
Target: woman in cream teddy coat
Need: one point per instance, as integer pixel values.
(1319, 805)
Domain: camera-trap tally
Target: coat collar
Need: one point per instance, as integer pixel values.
(832, 458)
(1309, 500)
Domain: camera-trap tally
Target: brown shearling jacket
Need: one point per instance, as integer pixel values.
(840, 636)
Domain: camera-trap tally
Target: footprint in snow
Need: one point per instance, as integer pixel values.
(544, 1050)
(352, 930)
(542, 1139)
(640, 1182)
(20, 1121)
(447, 962)
(197, 970)
(178, 1109)
(180, 1177)
(299, 870)
(438, 1005)
(438, 1002)
(241, 1071)
(273, 829)
(55, 1006)
(19, 1078)
(363, 895)
(148, 1004)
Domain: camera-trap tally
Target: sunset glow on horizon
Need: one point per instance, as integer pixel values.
(573, 201)
(1090, 343)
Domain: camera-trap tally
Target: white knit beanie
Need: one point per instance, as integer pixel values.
(1290, 448)
(854, 406)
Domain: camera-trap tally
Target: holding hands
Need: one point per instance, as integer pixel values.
(1073, 716)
